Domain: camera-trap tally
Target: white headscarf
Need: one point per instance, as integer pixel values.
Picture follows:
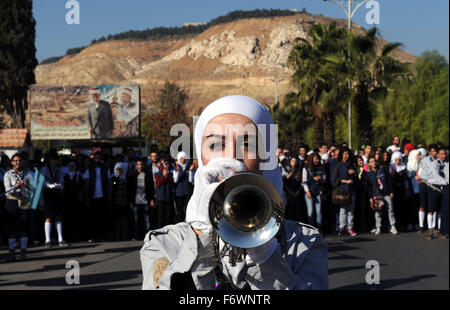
(182, 155)
(423, 151)
(396, 155)
(120, 165)
(413, 163)
(250, 108)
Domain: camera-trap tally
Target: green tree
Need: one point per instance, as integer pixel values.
(168, 109)
(418, 108)
(293, 120)
(17, 57)
(369, 75)
(315, 77)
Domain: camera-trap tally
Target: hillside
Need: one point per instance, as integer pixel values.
(238, 57)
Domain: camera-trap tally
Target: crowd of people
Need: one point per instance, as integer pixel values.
(91, 198)
(399, 188)
(116, 198)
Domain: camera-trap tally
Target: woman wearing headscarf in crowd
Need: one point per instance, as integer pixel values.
(121, 210)
(400, 188)
(363, 213)
(344, 177)
(314, 178)
(183, 188)
(293, 188)
(413, 202)
(407, 148)
(72, 211)
(379, 189)
(297, 258)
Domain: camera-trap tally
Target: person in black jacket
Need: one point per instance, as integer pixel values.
(72, 210)
(314, 178)
(183, 188)
(379, 189)
(120, 202)
(98, 182)
(141, 197)
(292, 184)
(344, 177)
(164, 193)
(364, 217)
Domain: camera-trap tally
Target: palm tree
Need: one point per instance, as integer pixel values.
(315, 77)
(369, 73)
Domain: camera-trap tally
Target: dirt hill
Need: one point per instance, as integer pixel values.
(240, 57)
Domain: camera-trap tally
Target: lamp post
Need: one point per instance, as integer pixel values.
(276, 81)
(349, 12)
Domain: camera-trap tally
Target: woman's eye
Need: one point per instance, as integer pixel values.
(217, 146)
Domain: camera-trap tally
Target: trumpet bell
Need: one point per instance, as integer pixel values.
(246, 210)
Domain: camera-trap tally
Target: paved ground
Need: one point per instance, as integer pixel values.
(407, 261)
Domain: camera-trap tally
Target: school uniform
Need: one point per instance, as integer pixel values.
(379, 184)
(98, 211)
(444, 203)
(16, 218)
(164, 197)
(424, 190)
(400, 188)
(141, 192)
(72, 209)
(183, 190)
(298, 263)
(53, 195)
(314, 187)
(346, 212)
(295, 206)
(436, 177)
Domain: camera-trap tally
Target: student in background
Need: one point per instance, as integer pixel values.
(121, 209)
(72, 209)
(343, 178)
(16, 183)
(380, 195)
(97, 210)
(183, 188)
(314, 178)
(141, 192)
(164, 195)
(53, 194)
(292, 185)
(400, 188)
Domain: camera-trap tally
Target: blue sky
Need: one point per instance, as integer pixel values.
(419, 24)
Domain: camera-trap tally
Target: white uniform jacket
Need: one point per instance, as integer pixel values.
(299, 262)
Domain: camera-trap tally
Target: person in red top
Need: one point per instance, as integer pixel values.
(164, 193)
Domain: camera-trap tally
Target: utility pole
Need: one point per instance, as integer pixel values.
(349, 12)
(276, 81)
(276, 87)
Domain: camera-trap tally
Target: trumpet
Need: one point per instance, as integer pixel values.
(246, 211)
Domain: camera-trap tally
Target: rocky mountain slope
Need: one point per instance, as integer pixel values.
(243, 57)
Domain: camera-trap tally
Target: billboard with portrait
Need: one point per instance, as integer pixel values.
(85, 112)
